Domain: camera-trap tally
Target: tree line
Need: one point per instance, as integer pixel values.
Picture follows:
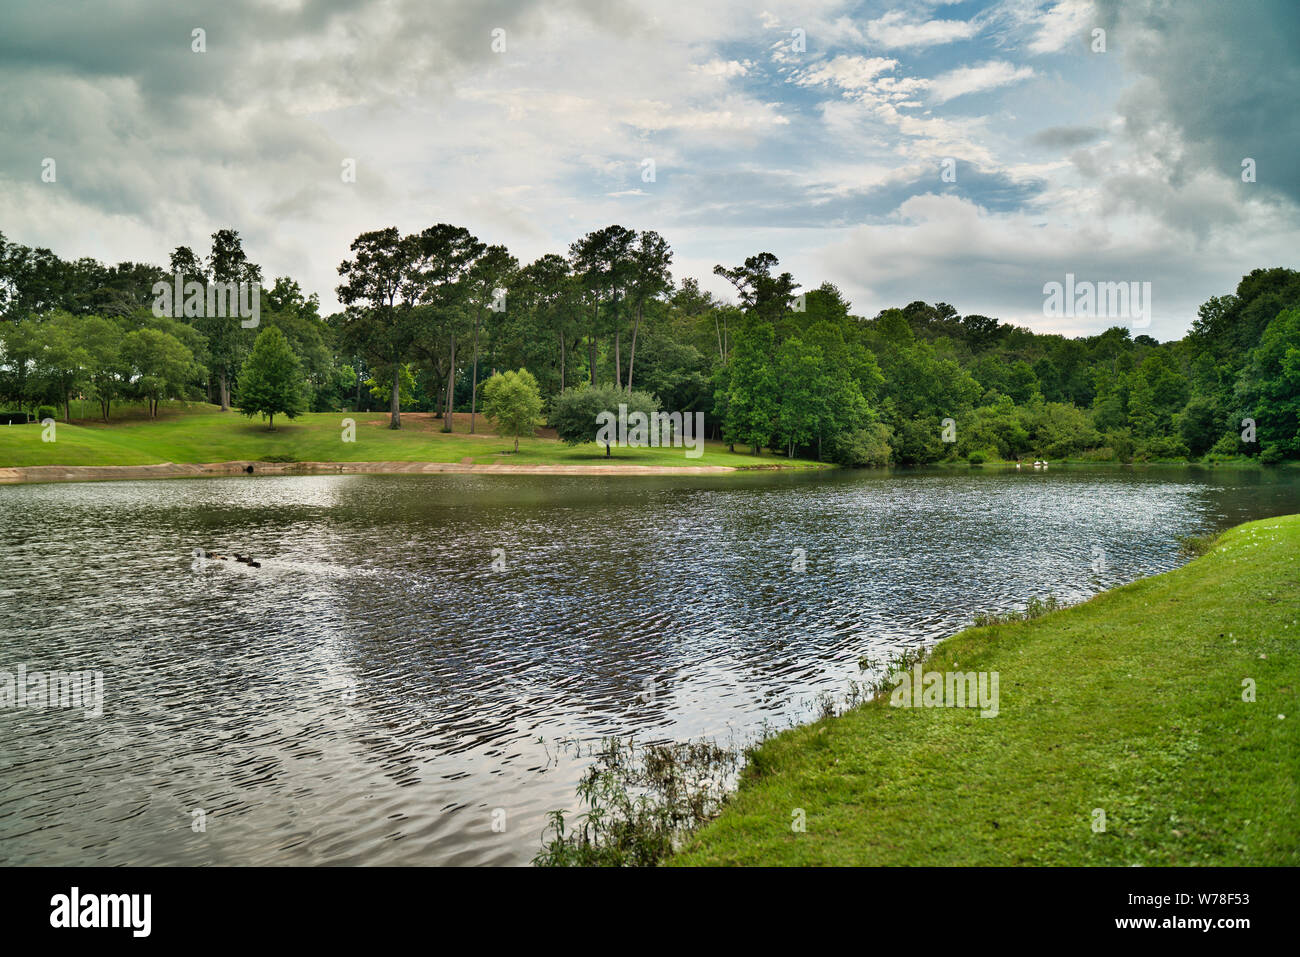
(428, 317)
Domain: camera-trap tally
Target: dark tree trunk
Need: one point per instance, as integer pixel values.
(631, 359)
(451, 389)
(473, 392)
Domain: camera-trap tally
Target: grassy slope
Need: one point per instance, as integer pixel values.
(203, 434)
(1131, 702)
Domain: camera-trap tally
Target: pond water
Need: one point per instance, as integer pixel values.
(419, 657)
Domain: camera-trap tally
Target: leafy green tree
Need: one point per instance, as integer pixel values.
(19, 347)
(760, 292)
(512, 401)
(380, 283)
(751, 404)
(160, 365)
(803, 388)
(651, 260)
(227, 263)
(448, 255)
(106, 369)
(1200, 425)
(271, 381)
(574, 412)
(603, 262)
(1270, 386)
(381, 386)
(62, 359)
(492, 271)
(863, 447)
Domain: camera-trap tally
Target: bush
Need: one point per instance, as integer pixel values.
(975, 458)
(1163, 447)
(512, 401)
(574, 411)
(1197, 545)
(46, 412)
(1272, 455)
(1122, 445)
(861, 447)
(641, 804)
(1228, 446)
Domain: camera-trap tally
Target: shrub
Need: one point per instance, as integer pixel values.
(861, 448)
(574, 411)
(512, 401)
(975, 458)
(46, 412)
(1195, 545)
(640, 804)
(1272, 455)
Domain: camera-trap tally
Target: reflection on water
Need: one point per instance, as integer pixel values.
(386, 680)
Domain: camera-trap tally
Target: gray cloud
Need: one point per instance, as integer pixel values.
(1223, 75)
(1066, 137)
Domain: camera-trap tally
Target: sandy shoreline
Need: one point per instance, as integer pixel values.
(109, 473)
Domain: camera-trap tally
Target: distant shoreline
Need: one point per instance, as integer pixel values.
(19, 475)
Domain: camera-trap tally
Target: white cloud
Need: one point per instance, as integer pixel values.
(974, 79)
(893, 31)
(848, 72)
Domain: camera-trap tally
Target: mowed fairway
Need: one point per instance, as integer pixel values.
(1130, 704)
(201, 433)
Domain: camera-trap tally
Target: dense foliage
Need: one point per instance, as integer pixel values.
(429, 317)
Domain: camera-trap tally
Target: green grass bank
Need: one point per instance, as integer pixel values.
(1131, 703)
(202, 433)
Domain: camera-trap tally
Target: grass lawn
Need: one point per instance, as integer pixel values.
(202, 433)
(1131, 703)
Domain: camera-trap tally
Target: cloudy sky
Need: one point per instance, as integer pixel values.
(814, 130)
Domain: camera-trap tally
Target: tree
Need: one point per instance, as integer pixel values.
(63, 359)
(184, 261)
(803, 389)
(160, 364)
(447, 254)
(512, 401)
(491, 272)
(752, 389)
(381, 282)
(1270, 385)
(760, 292)
(574, 412)
(603, 261)
(106, 371)
(552, 300)
(650, 278)
(272, 381)
(227, 263)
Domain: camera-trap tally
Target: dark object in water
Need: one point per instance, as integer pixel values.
(248, 469)
(253, 564)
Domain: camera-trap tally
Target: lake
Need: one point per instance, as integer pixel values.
(420, 656)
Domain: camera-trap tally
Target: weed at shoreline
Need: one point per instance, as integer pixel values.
(641, 802)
